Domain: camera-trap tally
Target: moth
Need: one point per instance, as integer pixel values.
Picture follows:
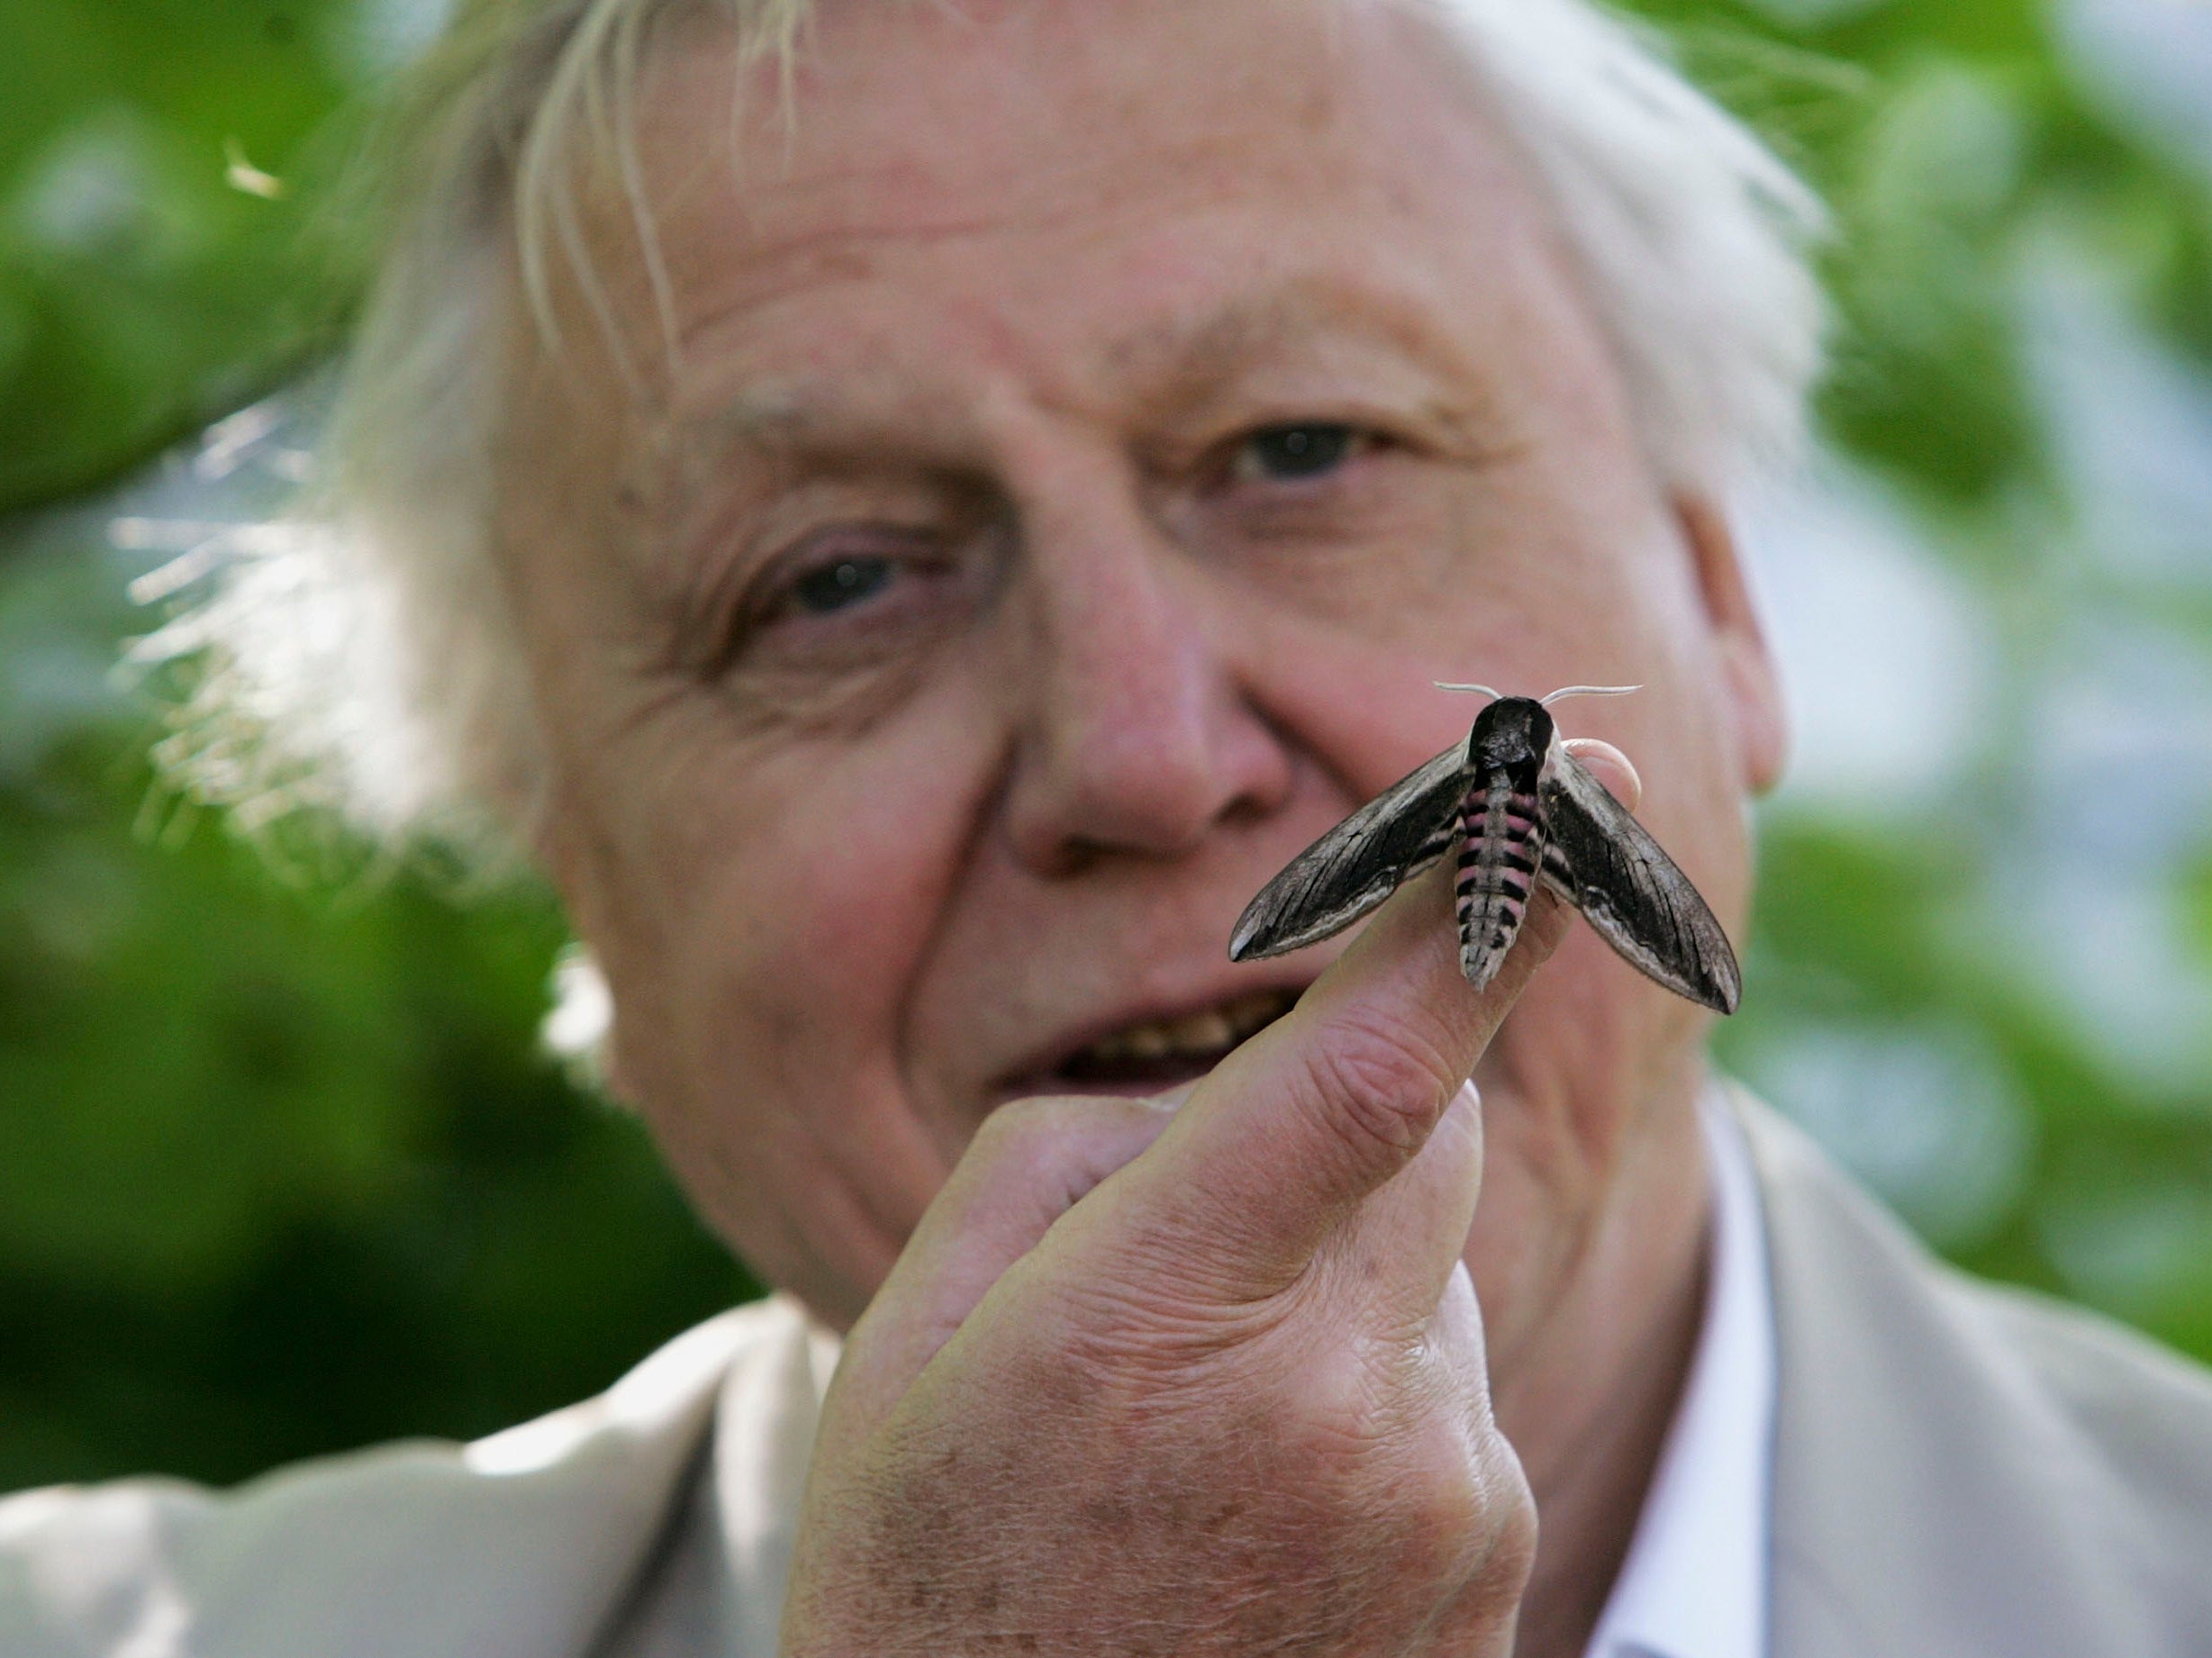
(1518, 808)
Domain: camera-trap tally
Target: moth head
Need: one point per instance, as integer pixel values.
(1516, 728)
(1512, 731)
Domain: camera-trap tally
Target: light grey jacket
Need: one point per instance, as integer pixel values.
(1962, 1469)
(1959, 1470)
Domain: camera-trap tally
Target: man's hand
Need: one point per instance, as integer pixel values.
(1207, 1380)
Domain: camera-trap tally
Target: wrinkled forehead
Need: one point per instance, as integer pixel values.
(903, 128)
(1044, 96)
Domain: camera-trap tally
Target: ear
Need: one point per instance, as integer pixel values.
(580, 1028)
(1746, 666)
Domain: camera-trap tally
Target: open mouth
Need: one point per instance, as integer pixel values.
(1155, 1054)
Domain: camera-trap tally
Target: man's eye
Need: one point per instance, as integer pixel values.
(1307, 450)
(835, 586)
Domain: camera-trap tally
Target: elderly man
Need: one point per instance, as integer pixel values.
(911, 514)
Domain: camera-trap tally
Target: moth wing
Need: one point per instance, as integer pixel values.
(1606, 864)
(1357, 865)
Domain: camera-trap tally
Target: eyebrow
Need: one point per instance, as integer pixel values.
(1197, 354)
(776, 415)
(1169, 363)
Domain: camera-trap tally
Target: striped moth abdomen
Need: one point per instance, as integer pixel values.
(1501, 850)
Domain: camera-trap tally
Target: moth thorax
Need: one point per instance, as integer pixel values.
(1512, 731)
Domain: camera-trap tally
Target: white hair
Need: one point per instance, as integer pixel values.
(365, 660)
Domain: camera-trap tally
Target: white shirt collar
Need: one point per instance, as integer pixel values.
(1694, 1584)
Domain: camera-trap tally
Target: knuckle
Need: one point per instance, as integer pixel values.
(1420, 1460)
(1464, 1515)
(1500, 1552)
(1380, 1081)
(1057, 1143)
(1015, 1148)
(1422, 1507)
(1443, 1519)
(1019, 1128)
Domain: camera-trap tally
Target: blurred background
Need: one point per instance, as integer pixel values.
(284, 1166)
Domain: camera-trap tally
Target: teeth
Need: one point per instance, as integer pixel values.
(1201, 1033)
(1196, 1034)
(1149, 1042)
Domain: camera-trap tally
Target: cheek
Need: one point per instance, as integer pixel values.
(760, 910)
(777, 866)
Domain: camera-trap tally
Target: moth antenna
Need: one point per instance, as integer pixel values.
(1588, 691)
(1483, 690)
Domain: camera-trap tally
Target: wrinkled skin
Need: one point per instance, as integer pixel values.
(937, 653)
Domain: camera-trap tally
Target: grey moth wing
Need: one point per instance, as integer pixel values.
(1357, 865)
(1605, 864)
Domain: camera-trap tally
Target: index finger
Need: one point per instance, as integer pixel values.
(1290, 1134)
(1298, 1128)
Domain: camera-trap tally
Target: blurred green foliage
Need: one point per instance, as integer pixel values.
(281, 1171)
(281, 1167)
(143, 292)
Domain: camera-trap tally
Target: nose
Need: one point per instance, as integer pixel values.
(1133, 732)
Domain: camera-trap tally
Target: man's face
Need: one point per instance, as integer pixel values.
(1071, 445)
